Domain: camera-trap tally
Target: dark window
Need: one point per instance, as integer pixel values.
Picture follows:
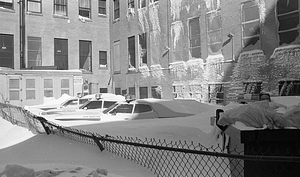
(130, 3)
(156, 93)
(250, 23)
(85, 55)
(141, 108)
(143, 48)
(81, 101)
(61, 53)
(85, 8)
(116, 9)
(34, 51)
(103, 59)
(7, 4)
(214, 31)
(131, 91)
(61, 7)
(288, 18)
(153, 1)
(103, 90)
(123, 108)
(93, 105)
(118, 91)
(289, 88)
(143, 92)
(107, 104)
(102, 7)
(7, 50)
(142, 3)
(131, 52)
(194, 38)
(34, 6)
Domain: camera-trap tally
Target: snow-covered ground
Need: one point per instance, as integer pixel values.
(51, 152)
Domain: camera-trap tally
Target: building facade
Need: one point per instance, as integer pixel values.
(57, 35)
(209, 50)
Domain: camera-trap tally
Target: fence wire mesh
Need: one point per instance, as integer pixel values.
(174, 159)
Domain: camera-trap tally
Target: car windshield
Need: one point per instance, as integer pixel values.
(70, 102)
(92, 105)
(110, 108)
(122, 108)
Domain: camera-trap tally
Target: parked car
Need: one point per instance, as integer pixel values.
(141, 109)
(98, 102)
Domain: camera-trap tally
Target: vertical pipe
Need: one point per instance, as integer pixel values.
(22, 33)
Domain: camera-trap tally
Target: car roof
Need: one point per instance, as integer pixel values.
(176, 107)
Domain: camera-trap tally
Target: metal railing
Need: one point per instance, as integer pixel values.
(174, 159)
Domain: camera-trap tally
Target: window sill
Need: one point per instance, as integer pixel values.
(116, 20)
(86, 72)
(102, 15)
(103, 67)
(84, 19)
(60, 16)
(35, 13)
(7, 10)
(117, 72)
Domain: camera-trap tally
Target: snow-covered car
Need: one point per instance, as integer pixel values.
(98, 102)
(141, 109)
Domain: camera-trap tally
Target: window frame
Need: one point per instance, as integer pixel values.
(193, 37)
(143, 59)
(131, 52)
(102, 59)
(116, 10)
(85, 9)
(63, 44)
(102, 8)
(35, 1)
(7, 46)
(60, 4)
(7, 5)
(90, 56)
(142, 4)
(255, 37)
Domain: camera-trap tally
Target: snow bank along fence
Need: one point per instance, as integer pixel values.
(182, 159)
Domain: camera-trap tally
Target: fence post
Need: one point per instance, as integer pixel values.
(96, 139)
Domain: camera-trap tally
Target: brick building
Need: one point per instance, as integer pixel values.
(57, 35)
(208, 50)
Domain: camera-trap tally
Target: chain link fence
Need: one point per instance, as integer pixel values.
(174, 159)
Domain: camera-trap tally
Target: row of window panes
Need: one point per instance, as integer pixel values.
(143, 92)
(60, 7)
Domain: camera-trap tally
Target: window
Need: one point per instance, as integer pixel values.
(7, 50)
(156, 92)
(34, 51)
(34, 6)
(123, 108)
(61, 53)
(143, 48)
(85, 55)
(93, 105)
(61, 7)
(143, 92)
(141, 108)
(141, 3)
(85, 8)
(153, 1)
(30, 89)
(14, 89)
(288, 18)
(214, 31)
(116, 9)
(65, 86)
(103, 90)
(103, 59)
(131, 52)
(194, 38)
(118, 91)
(108, 104)
(117, 57)
(102, 7)
(289, 88)
(131, 91)
(7, 4)
(250, 23)
(130, 3)
(48, 87)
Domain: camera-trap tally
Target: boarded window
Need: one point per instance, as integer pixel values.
(214, 32)
(118, 91)
(103, 90)
(61, 7)
(85, 55)
(194, 38)
(143, 48)
(288, 18)
(131, 52)
(102, 7)
(85, 8)
(61, 53)
(34, 6)
(143, 92)
(116, 9)
(7, 50)
(250, 23)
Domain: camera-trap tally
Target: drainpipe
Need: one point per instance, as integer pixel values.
(22, 33)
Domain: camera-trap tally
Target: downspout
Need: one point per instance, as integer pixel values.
(22, 33)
